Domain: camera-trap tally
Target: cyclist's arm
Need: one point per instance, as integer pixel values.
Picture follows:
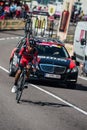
(21, 51)
(20, 54)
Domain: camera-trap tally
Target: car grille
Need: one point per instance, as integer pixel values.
(52, 68)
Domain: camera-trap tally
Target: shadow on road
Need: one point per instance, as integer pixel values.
(44, 103)
(58, 85)
(47, 83)
(81, 87)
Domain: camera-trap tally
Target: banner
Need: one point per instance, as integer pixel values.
(11, 24)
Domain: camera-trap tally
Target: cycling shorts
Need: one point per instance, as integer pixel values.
(24, 62)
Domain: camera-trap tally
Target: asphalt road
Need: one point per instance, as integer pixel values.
(44, 106)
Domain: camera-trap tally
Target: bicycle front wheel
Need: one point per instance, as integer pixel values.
(20, 88)
(28, 27)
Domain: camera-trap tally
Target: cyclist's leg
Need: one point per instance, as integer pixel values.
(21, 65)
(17, 76)
(28, 66)
(14, 88)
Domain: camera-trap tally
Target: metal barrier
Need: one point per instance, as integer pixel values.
(12, 24)
(39, 27)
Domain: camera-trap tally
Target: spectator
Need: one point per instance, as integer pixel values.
(18, 11)
(13, 10)
(7, 12)
(72, 14)
(75, 15)
(2, 14)
(23, 12)
(26, 7)
(80, 17)
(1, 10)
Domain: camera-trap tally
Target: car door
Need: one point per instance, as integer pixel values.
(82, 47)
(78, 47)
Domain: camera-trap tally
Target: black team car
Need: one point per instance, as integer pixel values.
(55, 63)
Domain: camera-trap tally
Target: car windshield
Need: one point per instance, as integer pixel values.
(44, 39)
(58, 51)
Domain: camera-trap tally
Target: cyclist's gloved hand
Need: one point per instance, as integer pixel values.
(34, 68)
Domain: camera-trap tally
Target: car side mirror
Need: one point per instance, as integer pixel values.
(73, 57)
(83, 41)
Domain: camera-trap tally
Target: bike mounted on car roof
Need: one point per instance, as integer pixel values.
(28, 26)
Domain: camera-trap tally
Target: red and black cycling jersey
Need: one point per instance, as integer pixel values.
(29, 55)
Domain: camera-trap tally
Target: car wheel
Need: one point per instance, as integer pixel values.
(11, 72)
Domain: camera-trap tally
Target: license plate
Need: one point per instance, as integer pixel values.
(52, 76)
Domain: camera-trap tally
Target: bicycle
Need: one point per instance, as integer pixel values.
(21, 86)
(28, 26)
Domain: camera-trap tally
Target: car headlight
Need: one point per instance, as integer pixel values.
(75, 69)
(68, 70)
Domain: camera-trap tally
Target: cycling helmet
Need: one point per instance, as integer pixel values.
(32, 42)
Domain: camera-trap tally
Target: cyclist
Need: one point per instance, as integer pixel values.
(27, 58)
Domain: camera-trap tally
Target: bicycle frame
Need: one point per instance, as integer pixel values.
(28, 26)
(21, 83)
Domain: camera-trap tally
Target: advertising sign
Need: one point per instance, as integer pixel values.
(11, 24)
(51, 10)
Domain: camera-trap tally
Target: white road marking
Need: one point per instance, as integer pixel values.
(54, 96)
(81, 77)
(8, 38)
(2, 39)
(60, 99)
(4, 69)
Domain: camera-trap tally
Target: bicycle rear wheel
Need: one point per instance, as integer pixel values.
(28, 29)
(20, 88)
